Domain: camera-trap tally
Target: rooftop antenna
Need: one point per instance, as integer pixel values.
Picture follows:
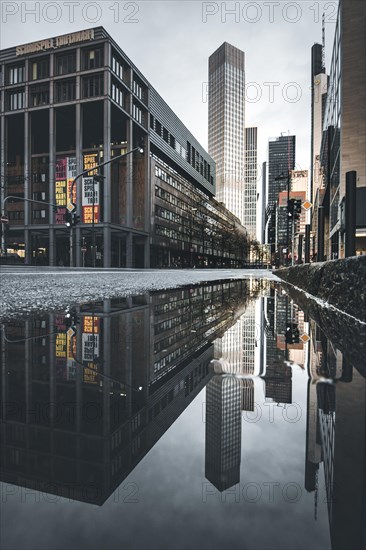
(323, 41)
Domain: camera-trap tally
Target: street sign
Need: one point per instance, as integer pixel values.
(70, 332)
(83, 249)
(307, 205)
(4, 219)
(71, 207)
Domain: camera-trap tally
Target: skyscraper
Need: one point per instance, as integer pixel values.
(226, 125)
(319, 85)
(281, 160)
(250, 182)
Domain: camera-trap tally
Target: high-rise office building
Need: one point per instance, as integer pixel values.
(264, 216)
(319, 87)
(250, 182)
(226, 125)
(281, 160)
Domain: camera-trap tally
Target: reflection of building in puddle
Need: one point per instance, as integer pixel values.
(336, 428)
(223, 431)
(241, 345)
(74, 416)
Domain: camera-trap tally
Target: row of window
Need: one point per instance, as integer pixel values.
(172, 199)
(19, 214)
(199, 163)
(136, 113)
(64, 64)
(168, 215)
(117, 94)
(159, 173)
(65, 90)
(169, 138)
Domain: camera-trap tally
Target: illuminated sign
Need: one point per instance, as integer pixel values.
(54, 43)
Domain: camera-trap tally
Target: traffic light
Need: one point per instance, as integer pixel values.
(297, 209)
(290, 207)
(292, 335)
(68, 219)
(71, 319)
(71, 219)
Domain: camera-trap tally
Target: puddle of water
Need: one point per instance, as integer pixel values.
(219, 416)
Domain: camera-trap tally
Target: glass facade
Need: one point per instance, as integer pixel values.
(250, 185)
(226, 127)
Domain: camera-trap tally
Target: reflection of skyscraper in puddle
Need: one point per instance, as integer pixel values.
(240, 346)
(223, 431)
(278, 380)
(278, 375)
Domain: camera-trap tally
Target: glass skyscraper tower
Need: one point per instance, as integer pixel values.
(226, 126)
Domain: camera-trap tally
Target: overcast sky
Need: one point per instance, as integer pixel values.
(170, 42)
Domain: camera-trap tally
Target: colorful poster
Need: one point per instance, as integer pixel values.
(90, 188)
(65, 174)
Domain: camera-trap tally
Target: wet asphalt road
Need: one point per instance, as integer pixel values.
(30, 289)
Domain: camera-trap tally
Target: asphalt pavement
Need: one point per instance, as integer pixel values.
(26, 290)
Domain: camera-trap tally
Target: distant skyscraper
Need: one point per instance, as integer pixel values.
(250, 182)
(226, 126)
(263, 201)
(281, 160)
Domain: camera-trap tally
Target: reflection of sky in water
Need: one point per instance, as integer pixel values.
(167, 502)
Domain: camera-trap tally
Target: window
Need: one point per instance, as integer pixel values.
(16, 100)
(158, 127)
(117, 94)
(40, 69)
(39, 214)
(137, 113)
(16, 74)
(39, 95)
(117, 67)
(92, 59)
(66, 63)
(16, 215)
(65, 90)
(93, 86)
(151, 122)
(39, 196)
(137, 89)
